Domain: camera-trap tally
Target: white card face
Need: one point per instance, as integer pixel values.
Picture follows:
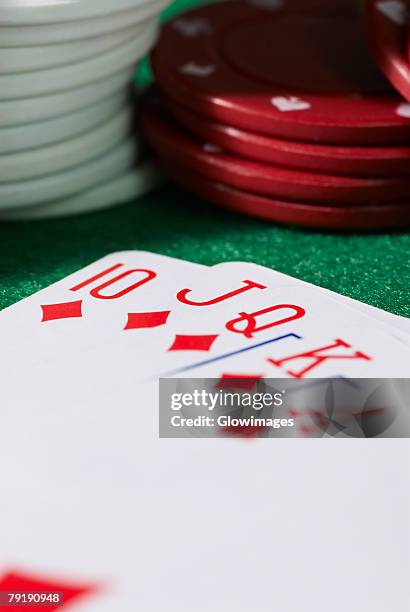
(93, 305)
(91, 495)
(266, 508)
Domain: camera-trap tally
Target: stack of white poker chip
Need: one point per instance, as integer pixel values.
(68, 137)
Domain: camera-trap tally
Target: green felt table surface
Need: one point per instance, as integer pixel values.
(373, 268)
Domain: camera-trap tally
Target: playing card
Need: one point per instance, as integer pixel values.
(91, 306)
(96, 504)
(277, 326)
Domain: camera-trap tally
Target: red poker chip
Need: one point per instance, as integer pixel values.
(167, 139)
(282, 68)
(325, 159)
(360, 218)
(388, 38)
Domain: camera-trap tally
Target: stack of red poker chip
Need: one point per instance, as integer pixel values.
(276, 109)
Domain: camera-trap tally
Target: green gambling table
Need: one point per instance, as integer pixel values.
(372, 267)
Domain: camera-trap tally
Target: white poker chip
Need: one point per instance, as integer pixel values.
(31, 35)
(129, 186)
(55, 158)
(28, 110)
(43, 133)
(43, 82)
(64, 184)
(28, 59)
(15, 12)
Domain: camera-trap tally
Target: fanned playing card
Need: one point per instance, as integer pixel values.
(99, 509)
